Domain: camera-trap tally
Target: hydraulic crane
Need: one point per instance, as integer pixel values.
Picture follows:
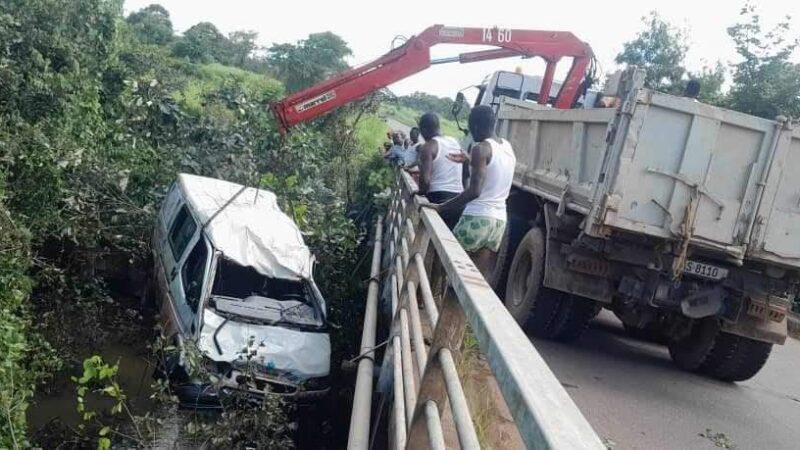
(414, 56)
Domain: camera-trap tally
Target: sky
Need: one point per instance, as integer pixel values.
(369, 27)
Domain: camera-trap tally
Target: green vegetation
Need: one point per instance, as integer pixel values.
(409, 116)
(765, 81)
(98, 115)
(659, 49)
(99, 112)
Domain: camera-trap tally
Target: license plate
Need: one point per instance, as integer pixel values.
(705, 270)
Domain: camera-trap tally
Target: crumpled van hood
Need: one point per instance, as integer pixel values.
(300, 354)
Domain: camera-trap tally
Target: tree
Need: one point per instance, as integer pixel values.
(201, 43)
(660, 49)
(151, 25)
(711, 80)
(241, 45)
(765, 82)
(309, 61)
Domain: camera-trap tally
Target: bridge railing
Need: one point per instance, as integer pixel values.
(427, 271)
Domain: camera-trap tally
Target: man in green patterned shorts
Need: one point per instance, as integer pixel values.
(491, 160)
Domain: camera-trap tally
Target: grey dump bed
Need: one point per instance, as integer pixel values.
(668, 167)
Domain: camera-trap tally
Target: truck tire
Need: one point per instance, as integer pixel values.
(498, 280)
(710, 351)
(543, 312)
(574, 315)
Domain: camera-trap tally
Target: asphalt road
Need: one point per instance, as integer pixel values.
(636, 399)
(394, 125)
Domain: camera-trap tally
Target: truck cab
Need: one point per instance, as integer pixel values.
(519, 86)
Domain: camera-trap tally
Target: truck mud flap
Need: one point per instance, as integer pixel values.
(569, 271)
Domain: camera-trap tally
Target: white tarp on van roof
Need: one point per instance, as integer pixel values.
(252, 230)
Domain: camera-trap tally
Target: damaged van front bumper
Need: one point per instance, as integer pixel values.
(214, 396)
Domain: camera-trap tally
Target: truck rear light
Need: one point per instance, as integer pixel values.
(770, 308)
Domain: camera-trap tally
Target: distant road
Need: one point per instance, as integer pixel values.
(397, 126)
(636, 399)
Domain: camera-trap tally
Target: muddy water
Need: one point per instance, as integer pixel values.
(52, 416)
(135, 376)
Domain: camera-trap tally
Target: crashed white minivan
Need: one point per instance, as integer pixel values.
(233, 275)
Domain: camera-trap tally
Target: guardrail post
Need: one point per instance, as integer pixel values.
(449, 333)
(425, 258)
(358, 438)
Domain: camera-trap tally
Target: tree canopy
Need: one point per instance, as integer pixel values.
(152, 25)
(98, 113)
(765, 81)
(201, 43)
(660, 49)
(308, 61)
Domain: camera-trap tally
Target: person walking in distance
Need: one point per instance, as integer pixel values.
(491, 160)
(439, 176)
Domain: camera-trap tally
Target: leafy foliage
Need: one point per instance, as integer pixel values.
(711, 80)
(660, 49)
(765, 82)
(97, 116)
(15, 380)
(308, 61)
(201, 43)
(152, 25)
(429, 103)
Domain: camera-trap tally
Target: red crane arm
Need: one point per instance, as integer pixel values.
(414, 56)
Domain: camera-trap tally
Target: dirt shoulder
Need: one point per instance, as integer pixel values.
(493, 422)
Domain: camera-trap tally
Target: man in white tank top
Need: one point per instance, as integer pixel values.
(439, 176)
(483, 222)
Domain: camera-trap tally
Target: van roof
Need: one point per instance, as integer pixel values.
(251, 230)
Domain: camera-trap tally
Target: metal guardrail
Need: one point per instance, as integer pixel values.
(423, 256)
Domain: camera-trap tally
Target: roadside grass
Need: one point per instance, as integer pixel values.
(409, 117)
(479, 397)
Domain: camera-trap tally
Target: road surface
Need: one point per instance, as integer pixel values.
(394, 125)
(636, 399)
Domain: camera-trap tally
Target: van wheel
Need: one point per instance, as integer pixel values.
(542, 311)
(724, 356)
(170, 369)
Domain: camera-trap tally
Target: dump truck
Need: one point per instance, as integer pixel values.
(680, 217)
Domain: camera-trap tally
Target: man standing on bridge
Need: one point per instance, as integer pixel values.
(482, 225)
(439, 176)
(411, 156)
(396, 152)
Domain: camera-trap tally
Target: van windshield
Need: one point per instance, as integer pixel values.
(243, 292)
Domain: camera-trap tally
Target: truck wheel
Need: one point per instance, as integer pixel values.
(515, 229)
(736, 358)
(713, 352)
(542, 311)
(573, 317)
